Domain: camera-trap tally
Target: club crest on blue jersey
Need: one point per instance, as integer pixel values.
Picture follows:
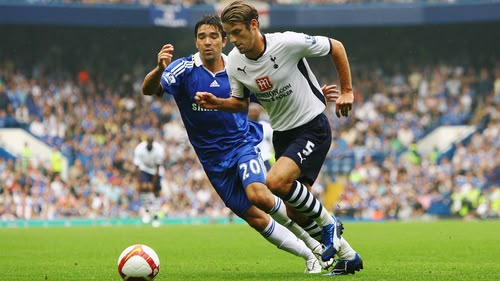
(169, 78)
(310, 39)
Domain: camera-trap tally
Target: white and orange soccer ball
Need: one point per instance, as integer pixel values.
(138, 263)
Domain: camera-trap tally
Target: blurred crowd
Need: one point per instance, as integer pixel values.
(96, 123)
(387, 177)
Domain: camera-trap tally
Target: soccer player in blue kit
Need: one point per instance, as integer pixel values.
(225, 142)
(273, 66)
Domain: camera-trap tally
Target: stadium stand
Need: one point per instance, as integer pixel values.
(83, 99)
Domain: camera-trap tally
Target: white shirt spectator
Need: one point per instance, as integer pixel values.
(37, 128)
(22, 114)
(405, 135)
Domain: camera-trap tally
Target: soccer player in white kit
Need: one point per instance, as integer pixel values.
(273, 66)
(148, 160)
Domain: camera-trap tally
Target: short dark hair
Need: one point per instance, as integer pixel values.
(212, 20)
(239, 12)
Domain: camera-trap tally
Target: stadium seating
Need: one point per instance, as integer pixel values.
(95, 115)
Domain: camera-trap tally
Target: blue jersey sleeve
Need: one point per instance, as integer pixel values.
(171, 79)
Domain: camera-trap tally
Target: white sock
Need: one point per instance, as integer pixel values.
(278, 213)
(346, 252)
(147, 199)
(156, 206)
(286, 241)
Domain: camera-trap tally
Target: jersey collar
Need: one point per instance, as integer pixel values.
(198, 62)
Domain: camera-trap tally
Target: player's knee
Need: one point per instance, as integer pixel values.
(278, 185)
(260, 196)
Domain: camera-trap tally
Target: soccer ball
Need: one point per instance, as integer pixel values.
(138, 263)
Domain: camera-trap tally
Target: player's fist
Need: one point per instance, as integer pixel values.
(344, 104)
(206, 100)
(165, 56)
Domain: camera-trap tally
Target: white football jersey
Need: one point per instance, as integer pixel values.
(281, 78)
(147, 160)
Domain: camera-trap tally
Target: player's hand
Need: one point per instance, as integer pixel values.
(344, 104)
(330, 92)
(165, 56)
(206, 100)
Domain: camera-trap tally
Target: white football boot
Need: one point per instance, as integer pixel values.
(324, 264)
(313, 266)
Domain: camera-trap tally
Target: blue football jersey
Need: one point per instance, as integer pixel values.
(215, 135)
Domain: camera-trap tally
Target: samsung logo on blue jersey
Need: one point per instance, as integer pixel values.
(197, 107)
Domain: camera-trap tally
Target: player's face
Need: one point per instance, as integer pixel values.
(243, 38)
(209, 42)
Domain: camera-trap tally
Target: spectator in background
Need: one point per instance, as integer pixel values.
(496, 86)
(405, 135)
(37, 127)
(26, 155)
(22, 115)
(76, 171)
(56, 161)
(6, 119)
(4, 99)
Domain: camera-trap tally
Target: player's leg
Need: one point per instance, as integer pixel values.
(156, 204)
(281, 237)
(348, 260)
(301, 152)
(252, 173)
(146, 195)
(227, 184)
(303, 201)
(309, 225)
(261, 197)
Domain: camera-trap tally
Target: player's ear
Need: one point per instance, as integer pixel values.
(224, 41)
(254, 24)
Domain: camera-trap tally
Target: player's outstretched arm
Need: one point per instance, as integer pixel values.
(232, 104)
(151, 84)
(346, 99)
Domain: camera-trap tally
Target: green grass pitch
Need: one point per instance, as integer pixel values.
(441, 250)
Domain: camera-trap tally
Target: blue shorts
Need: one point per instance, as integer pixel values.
(306, 145)
(147, 177)
(230, 182)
